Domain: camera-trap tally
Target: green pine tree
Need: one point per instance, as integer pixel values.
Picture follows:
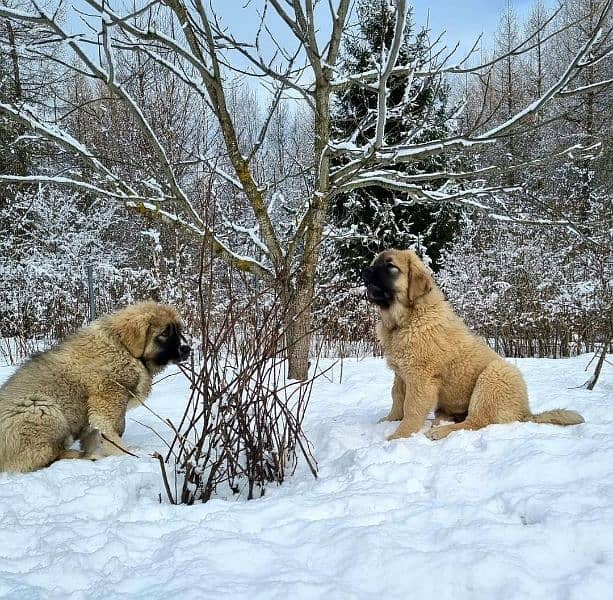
(371, 219)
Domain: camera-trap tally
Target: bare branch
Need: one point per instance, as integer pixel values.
(213, 83)
(401, 16)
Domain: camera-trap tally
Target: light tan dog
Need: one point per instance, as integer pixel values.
(439, 364)
(81, 389)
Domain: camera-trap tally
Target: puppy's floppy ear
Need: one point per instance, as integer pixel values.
(419, 280)
(133, 331)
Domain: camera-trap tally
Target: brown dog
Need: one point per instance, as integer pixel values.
(439, 364)
(81, 389)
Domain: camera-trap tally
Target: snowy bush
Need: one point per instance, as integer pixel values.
(346, 321)
(530, 291)
(47, 240)
(242, 427)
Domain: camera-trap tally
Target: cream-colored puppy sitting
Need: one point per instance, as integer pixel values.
(439, 364)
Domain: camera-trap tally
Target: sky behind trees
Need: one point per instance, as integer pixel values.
(461, 20)
(464, 20)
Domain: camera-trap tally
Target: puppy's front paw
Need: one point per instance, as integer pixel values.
(390, 417)
(114, 446)
(401, 432)
(91, 442)
(438, 433)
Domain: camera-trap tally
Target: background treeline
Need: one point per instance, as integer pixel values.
(541, 290)
(533, 275)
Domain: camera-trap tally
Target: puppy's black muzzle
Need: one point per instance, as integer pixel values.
(379, 288)
(184, 350)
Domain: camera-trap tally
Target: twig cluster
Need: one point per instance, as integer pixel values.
(242, 428)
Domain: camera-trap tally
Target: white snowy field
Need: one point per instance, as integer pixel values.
(511, 511)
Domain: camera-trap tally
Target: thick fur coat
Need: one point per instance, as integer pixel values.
(81, 389)
(439, 364)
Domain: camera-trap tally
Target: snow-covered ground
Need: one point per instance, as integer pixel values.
(511, 511)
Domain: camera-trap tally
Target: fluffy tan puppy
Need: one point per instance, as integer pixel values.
(439, 364)
(81, 389)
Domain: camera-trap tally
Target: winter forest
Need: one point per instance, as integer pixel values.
(157, 141)
(249, 180)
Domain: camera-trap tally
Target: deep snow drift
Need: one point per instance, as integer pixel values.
(511, 511)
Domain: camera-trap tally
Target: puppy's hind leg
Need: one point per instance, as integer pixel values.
(499, 396)
(33, 436)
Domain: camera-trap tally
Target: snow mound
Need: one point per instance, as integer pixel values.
(511, 511)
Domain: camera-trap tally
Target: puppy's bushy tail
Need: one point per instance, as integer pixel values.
(558, 416)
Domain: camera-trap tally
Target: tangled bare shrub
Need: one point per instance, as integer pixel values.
(242, 428)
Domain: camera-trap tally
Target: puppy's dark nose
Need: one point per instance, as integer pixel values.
(184, 351)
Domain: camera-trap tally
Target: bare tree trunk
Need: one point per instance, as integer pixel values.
(299, 338)
(298, 353)
(14, 59)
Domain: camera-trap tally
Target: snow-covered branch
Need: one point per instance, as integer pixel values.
(387, 68)
(369, 77)
(360, 160)
(241, 263)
